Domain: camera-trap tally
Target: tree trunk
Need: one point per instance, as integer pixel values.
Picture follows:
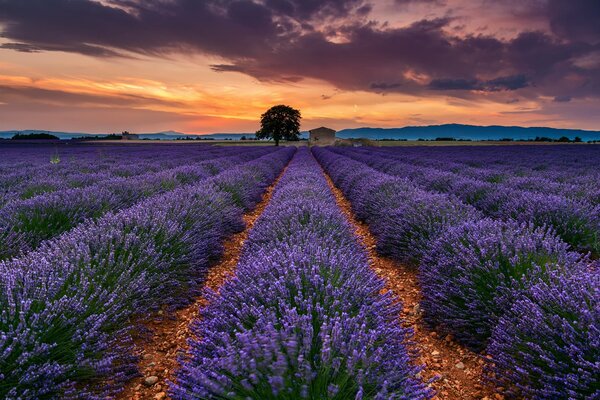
(276, 142)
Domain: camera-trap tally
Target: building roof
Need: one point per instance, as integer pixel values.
(322, 129)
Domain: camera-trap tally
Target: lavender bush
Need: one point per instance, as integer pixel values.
(408, 230)
(25, 224)
(472, 273)
(65, 309)
(577, 223)
(547, 346)
(28, 172)
(571, 210)
(402, 217)
(304, 316)
(477, 274)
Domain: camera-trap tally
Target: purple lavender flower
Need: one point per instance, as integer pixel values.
(303, 317)
(24, 224)
(569, 206)
(472, 273)
(547, 346)
(66, 308)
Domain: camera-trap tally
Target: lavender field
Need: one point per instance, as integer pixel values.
(153, 271)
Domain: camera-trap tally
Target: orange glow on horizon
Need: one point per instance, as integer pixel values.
(77, 93)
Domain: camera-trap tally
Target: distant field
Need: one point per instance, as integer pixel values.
(204, 142)
(489, 253)
(392, 143)
(385, 143)
(257, 143)
(379, 143)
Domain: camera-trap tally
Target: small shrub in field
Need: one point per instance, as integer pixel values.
(471, 274)
(576, 222)
(547, 346)
(407, 230)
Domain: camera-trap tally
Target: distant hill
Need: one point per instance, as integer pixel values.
(472, 132)
(431, 132)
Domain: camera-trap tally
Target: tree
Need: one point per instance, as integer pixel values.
(34, 136)
(279, 122)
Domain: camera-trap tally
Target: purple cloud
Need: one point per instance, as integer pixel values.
(289, 40)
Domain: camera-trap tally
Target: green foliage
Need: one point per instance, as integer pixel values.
(55, 159)
(37, 189)
(280, 122)
(34, 136)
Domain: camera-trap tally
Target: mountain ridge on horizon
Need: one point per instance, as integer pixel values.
(415, 132)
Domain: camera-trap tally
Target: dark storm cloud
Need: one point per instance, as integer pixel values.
(385, 86)
(305, 9)
(494, 85)
(333, 40)
(453, 84)
(408, 2)
(562, 99)
(575, 19)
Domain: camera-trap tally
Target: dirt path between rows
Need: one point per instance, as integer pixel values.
(169, 332)
(457, 370)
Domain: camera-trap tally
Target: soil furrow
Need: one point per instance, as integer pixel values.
(457, 371)
(169, 332)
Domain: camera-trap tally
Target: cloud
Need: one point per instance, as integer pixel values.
(22, 47)
(513, 82)
(385, 86)
(30, 94)
(453, 84)
(575, 19)
(337, 41)
(419, 2)
(562, 99)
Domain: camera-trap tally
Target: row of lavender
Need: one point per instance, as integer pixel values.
(27, 181)
(66, 308)
(28, 155)
(576, 220)
(26, 171)
(566, 171)
(304, 316)
(24, 224)
(551, 163)
(510, 288)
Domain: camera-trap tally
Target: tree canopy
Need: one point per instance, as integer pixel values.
(34, 136)
(279, 122)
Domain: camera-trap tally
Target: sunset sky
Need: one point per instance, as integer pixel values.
(201, 66)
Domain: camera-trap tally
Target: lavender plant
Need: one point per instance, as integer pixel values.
(65, 309)
(547, 346)
(572, 211)
(512, 277)
(402, 217)
(303, 317)
(408, 230)
(81, 166)
(576, 222)
(471, 274)
(25, 224)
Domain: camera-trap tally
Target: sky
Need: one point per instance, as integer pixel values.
(202, 66)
